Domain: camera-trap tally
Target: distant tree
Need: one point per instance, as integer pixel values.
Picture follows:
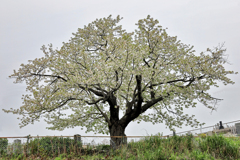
(104, 70)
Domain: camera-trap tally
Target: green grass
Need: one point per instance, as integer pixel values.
(155, 148)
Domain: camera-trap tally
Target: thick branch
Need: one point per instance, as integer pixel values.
(151, 103)
(97, 93)
(132, 114)
(139, 93)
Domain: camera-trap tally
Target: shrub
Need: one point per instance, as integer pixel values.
(3, 145)
(53, 146)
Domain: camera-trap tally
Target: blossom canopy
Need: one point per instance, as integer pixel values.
(104, 70)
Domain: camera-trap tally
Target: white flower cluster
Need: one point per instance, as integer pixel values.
(103, 70)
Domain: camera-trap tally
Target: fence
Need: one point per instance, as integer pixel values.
(234, 129)
(53, 145)
(56, 145)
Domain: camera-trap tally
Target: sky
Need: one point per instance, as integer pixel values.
(26, 25)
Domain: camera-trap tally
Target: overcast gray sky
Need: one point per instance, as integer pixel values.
(26, 25)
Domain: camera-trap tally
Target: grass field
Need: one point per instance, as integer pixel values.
(153, 148)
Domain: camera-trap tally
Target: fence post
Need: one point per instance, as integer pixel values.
(189, 133)
(221, 126)
(77, 140)
(17, 146)
(237, 125)
(26, 148)
(174, 134)
(124, 139)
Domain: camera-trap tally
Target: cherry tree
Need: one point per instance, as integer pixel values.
(104, 72)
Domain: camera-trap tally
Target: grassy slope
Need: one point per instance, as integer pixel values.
(214, 147)
(154, 148)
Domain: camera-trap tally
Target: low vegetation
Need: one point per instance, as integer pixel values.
(152, 148)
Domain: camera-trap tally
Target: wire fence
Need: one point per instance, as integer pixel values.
(230, 128)
(56, 145)
(39, 145)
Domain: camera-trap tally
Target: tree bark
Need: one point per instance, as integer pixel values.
(117, 129)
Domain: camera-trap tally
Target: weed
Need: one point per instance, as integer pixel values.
(174, 148)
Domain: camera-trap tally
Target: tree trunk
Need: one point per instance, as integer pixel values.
(117, 130)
